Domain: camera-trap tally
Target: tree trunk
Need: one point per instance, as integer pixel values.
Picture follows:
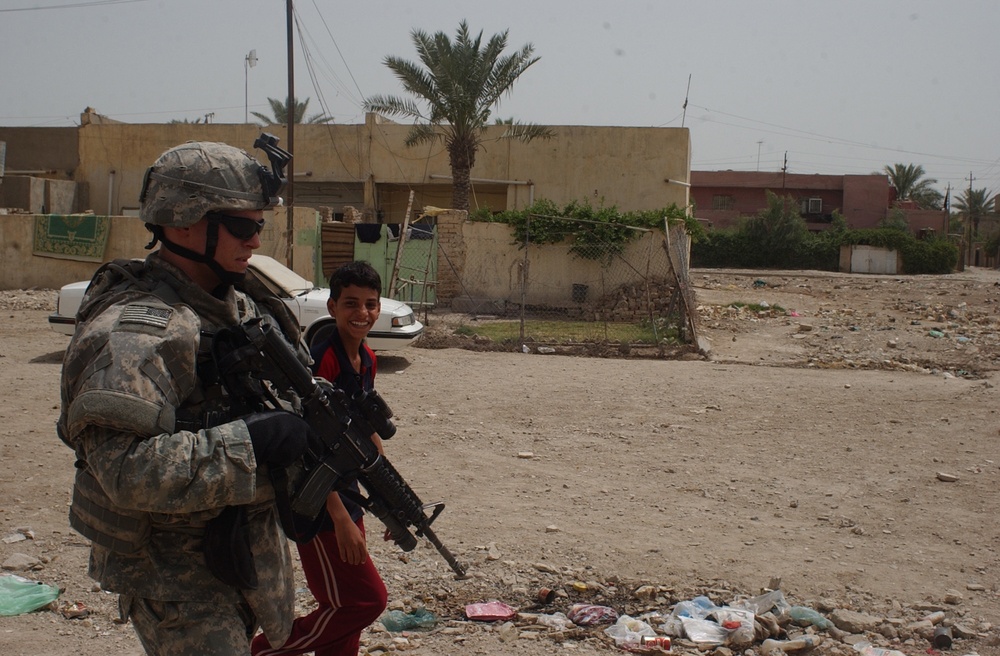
(461, 155)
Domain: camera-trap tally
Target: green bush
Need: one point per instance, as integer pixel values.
(778, 238)
(596, 232)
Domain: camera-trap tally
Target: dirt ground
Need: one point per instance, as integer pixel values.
(842, 440)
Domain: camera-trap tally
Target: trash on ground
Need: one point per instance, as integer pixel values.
(590, 614)
(20, 595)
(629, 630)
(397, 620)
(490, 611)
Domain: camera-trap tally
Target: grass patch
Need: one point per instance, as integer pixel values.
(560, 332)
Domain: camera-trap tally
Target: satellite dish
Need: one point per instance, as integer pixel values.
(252, 58)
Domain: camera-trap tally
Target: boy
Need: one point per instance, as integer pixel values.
(348, 589)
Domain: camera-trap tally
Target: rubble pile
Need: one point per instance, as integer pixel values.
(918, 324)
(28, 299)
(547, 603)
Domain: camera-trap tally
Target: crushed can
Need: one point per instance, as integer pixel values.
(655, 642)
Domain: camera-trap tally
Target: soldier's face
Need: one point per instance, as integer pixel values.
(233, 252)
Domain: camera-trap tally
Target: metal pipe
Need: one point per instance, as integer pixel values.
(33, 172)
(438, 176)
(111, 189)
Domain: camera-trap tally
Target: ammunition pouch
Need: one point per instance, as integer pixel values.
(97, 518)
(227, 548)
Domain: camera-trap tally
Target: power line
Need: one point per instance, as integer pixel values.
(92, 3)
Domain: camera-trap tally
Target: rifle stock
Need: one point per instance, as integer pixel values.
(343, 451)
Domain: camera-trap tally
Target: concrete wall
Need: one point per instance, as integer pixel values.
(23, 192)
(480, 261)
(49, 150)
(622, 166)
(20, 269)
(39, 195)
(921, 219)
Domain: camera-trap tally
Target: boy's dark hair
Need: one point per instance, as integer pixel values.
(357, 273)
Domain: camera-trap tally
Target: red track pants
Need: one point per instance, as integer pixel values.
(350, 597)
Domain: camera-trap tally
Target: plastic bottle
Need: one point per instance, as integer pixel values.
(802, 614)
(20, 595)
(770, 647)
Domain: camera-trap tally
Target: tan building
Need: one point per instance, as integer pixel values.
(364, 166)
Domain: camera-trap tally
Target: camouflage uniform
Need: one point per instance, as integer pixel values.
(160, 455)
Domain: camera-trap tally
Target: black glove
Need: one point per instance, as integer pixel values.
(278, 438)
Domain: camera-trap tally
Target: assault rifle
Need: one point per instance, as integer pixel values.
(255, 358)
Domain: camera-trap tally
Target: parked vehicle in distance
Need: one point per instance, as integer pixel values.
(396, 328)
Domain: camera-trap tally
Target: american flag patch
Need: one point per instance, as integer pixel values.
(146, 315)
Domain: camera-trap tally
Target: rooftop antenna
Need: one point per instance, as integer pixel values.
(248, 62)
(685, 108)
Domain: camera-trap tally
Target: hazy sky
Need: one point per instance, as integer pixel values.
(841, 86)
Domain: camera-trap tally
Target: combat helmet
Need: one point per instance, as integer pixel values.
(201, 179)
(192, 179)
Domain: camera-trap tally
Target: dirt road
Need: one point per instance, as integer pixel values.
(860, 467)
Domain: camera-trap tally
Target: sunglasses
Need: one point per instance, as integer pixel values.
(238, 226)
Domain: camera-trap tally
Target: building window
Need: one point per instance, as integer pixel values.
(812, 206)
(723, 202)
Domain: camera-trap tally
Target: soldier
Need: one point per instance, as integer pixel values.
(172, 485)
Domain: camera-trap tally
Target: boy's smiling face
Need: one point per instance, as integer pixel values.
(355, 311)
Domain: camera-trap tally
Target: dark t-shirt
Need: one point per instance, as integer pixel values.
(330, 361)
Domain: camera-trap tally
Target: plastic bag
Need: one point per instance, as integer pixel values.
(803, 615)
(868, 649)
(697, 608)
(738, 623)
(20, 595)
(557, 621)
(775, 599)
(588, 614)
(703, 631)
(397, 620)
(628, 630)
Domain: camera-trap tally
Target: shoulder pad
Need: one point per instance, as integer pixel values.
(130, 367)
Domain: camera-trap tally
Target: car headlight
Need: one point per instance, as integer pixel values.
(405, 320)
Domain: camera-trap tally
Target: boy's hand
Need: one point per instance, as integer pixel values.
(351, 540)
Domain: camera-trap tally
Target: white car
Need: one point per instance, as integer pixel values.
(396, 328)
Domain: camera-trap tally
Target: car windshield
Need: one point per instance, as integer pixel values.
(292, 283)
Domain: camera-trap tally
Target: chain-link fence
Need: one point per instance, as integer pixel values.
(533, 295)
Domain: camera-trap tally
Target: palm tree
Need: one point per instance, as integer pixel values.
(461, 82)
(279, 111)
(910, 184)
(974, 204)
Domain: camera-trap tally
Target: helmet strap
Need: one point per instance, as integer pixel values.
(227, 278)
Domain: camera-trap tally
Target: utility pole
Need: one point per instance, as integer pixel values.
(947, 210)
(290, 110)
(758, 154)
(686, 94)
(968, 224)
(784, 170)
